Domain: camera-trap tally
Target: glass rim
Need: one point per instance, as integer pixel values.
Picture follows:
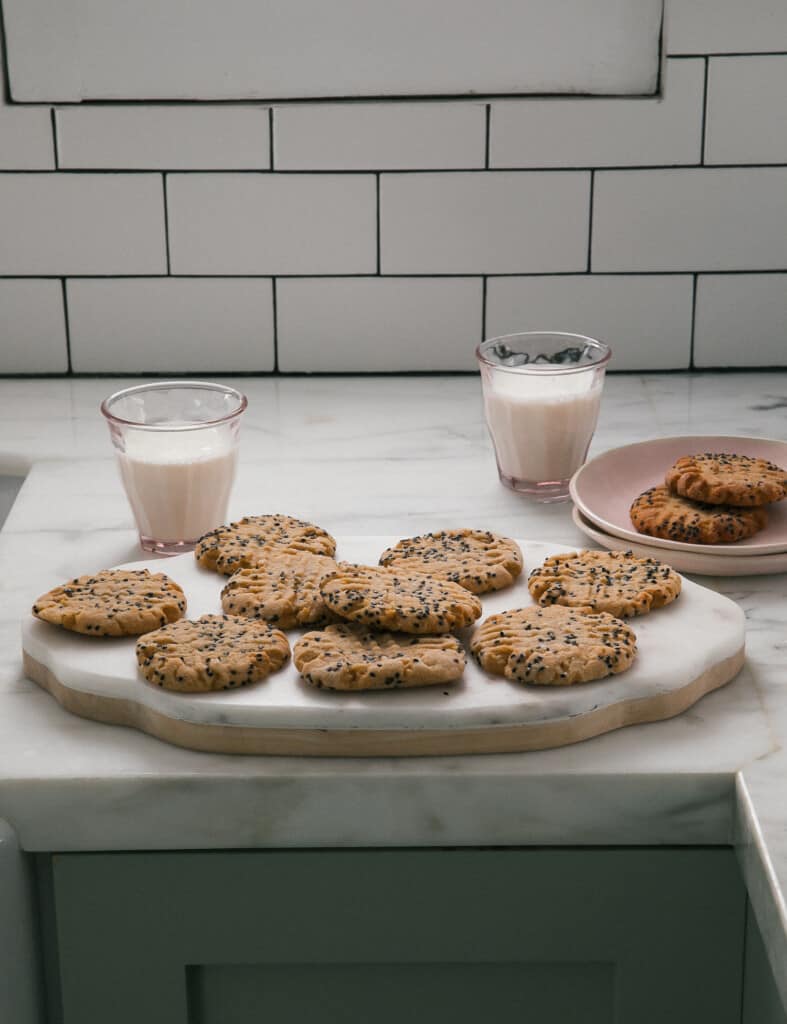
(604, 351)
(174, 385)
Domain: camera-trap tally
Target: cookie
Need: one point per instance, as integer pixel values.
(605, 581)
(553, 646)
(245, 543)
(477, 560)
(659, 513)
(403, 602)
(348, 656)
(113, 602)
(284, 589)
(726, 479)
(215, 652)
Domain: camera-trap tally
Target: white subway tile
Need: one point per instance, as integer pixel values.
(82, 224)
(113, 50)
(747, 111)
(32, 327)
(26, 142)
(698, 219)
(25, 139)
(171, 325)
(495, 222)
(741, 320)
(198, 136)
(272, 224)
(725, 26)
(379, 136)
(591, 132)
(378, 324)
(646, 320)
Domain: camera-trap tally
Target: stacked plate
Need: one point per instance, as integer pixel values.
(604, 488)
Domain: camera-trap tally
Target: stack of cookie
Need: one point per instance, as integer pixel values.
(379, 627)
(383, 627)
(710, 498)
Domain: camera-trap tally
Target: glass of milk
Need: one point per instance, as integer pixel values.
(177, 446)
(542, 391)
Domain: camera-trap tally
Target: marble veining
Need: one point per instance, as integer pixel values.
(385, 456)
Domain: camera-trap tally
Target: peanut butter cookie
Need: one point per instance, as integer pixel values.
(284, 589)
(245, 543)
(605, 581)
(477, 560)
(113, 602)
(726, 479)
(659, 513)
(553, 646)
(404, 602)
(215, 652)
(348, 656)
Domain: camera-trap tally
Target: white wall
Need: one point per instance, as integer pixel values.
(393, 235)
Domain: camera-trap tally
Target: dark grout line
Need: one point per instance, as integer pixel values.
(166, 224)
(704, 112)
(67, 325)
(483, 308)
(229, 171)
(275, 327)
(271, 159)
(272, 102)
(379, 240)
(768, 271)
(276, 101)
(53, 115)
(590, 217)
(662, 55)
(693, 320)
(487, 131)
(742, 53)
(5, 75)
(675, 371)
(73, 171)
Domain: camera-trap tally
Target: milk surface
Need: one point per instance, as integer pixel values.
(541, 426)
(178, 483)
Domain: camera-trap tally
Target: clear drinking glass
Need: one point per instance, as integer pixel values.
(542, 391)
(177, 446)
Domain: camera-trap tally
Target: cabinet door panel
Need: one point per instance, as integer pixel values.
(625, 936)
(462, 993)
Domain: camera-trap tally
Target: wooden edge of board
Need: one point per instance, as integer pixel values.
(499, 739)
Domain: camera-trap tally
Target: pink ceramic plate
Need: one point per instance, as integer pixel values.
(604, 488)
(687, 561)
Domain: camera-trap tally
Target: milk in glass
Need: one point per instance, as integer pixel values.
(176, 443)
(178, 483)
(542, 391)
(541, 427)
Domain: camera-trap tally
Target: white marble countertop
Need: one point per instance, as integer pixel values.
(385, 456)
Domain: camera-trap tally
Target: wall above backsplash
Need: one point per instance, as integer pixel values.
(392, 235)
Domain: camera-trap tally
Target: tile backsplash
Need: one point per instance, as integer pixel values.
(384, 236)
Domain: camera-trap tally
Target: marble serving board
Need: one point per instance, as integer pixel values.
(685, 650)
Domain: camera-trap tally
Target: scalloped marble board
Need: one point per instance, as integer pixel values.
(685, 650)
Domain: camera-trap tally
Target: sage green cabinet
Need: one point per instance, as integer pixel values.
(761, 1001)
(536, 936)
